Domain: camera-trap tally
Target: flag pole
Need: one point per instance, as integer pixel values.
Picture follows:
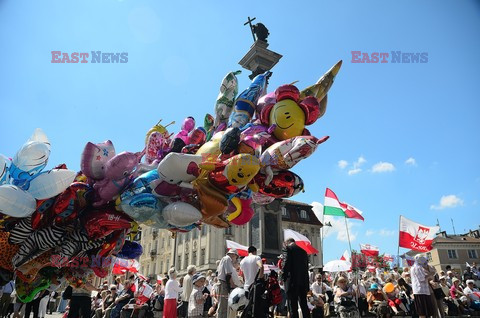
(398, 247)
(348, 236)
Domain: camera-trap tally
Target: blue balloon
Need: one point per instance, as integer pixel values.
(130, 250)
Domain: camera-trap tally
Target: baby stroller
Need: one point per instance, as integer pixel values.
(347, 308)
(257, 306)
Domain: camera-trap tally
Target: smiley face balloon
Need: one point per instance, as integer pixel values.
(289, 113)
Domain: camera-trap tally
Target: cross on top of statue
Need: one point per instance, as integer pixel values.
(259, 30)
(259, 58)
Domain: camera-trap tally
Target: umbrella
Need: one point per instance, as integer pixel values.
(337, 266)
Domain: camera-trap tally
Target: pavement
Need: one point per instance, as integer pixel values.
(55, 315)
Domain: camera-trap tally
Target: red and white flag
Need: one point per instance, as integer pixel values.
(409, 260)
(301, 240)
(416, 236)
(369, 250)
(121, 266)
(241, 249)
(345, 256)
(159, 279)
(144, 293)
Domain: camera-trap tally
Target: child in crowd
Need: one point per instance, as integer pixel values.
(197, 297)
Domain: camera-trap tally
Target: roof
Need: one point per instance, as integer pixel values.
(456, 239)
(296, 203)
(294, 209)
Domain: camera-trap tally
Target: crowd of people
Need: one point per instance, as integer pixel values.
(243, 288)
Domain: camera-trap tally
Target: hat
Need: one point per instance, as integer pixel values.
(455, 280)
(449, 272)
(197, 276)
(470, 281)
(232, 251)
(374, 286)
(421, 260)
(463, 298)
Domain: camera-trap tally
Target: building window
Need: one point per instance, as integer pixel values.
(202, 256)
(229, 231)
(162, 245)
(204, 230)
(452, 254)
(303, 215)
(186, 260)
(179, 262)
(472, 254)
(160, 268)
(429, 256)
(195, 233)
(284, 211)
(194, 257)
(155, 245)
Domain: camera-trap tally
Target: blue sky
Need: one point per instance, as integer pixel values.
(178, 53)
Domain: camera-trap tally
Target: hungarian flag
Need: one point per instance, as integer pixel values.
(241, 249)
(300, 240)
(345, 256)
(332, 206)
(144, 293)
(369, 250)
(416, 236)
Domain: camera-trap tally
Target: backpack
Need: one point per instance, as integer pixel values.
(67, 293)
(158, 303)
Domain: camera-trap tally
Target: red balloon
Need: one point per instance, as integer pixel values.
(72, 202)
(100, 223)
(283, 185)
(287, 91)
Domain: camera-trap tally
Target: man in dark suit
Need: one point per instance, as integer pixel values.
(295, 276)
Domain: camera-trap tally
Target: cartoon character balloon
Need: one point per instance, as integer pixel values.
(245, 104)
(226, 97)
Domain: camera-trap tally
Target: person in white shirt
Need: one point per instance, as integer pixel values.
(421, 290)
(319, 288)
(472, 293)
(172, 289)
(187, 289)
(226, 274)
(250, 266)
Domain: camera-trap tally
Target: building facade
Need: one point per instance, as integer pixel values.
(454, 250)
(204, 247)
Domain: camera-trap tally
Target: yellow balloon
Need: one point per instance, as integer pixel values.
(289, 118)
(212, 147)
(241, 169)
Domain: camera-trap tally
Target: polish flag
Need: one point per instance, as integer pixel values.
(416, 236)
(121, 266)
(159, 279)
(144, 293)
(300, 240)
(345, 256)
(241, 249)
(369, 250)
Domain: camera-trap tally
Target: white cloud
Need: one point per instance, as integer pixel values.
(447, 201)
(342, 164)
(361, 160)
(383, 167)
(356, 166)
(382, 232)
(354, 171)
(338, 224)
(411, 162)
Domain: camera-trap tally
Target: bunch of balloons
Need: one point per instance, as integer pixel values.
(58, 224)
